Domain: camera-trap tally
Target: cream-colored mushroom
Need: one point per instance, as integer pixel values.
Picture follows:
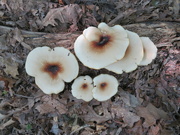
(132, 57)
(105, 86)
(51, 67)
(150, 51)
(99, 47)
(82, 88)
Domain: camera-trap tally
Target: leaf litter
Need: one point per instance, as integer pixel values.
(50, 105)
(148, 98)
(68, 14)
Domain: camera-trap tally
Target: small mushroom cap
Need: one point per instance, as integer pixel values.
(105, 86)
(99, 47)
(82, 88)
(92, 34)
(150, 51)
(132, 58)
(51, 66)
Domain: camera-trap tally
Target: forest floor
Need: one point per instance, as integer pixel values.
(148, 99)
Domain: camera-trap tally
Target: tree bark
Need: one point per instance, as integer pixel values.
(161, 33)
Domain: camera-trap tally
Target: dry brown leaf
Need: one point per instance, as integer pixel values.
(129, 99)
(11, 66)
(176, 7)
(30, 102)
(17, 36)
(150, 113)
(16, 5)
(92, 116)
(137, 129)
(51, 105)
(173, 67)
(128, 117)
(8, 84)
(68, 14)
(3, 43)
(154, 130)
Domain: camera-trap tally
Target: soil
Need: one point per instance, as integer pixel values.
(148, 99)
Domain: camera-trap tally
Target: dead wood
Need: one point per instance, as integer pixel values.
(162, 33)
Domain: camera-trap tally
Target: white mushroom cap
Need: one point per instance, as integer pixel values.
(150, 51)
(51, 67)
(105, 86)
(48, 85)
(92, 34)
(82, 88)
(99, 47)
(132, 58)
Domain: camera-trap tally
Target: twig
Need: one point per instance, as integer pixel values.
(22, 96)
(79, 129)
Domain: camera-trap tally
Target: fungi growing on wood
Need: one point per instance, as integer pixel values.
(132, 57)
(99, 47)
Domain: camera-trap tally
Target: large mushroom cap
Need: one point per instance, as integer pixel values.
(150, 51)
(105, 86)
(99, 47)
(51, 67)
(48, 85)
(82, 88)
(132, 57)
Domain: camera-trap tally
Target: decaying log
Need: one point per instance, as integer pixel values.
(160, 32)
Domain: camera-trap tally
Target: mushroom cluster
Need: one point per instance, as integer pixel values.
(51, 68)
(99, 47)
(102, 87)
(113, 48)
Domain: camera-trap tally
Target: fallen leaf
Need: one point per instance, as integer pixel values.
(51, 105)
(17, 36)
(3, 43)
(16, 6)
(150, 113)
(31, 102)
(176, 7)
(92, 116)
(129, 99)
(11, 66)
(7, 84)
(68, 14)
(128, 117)
(154, 130)
(137, 129)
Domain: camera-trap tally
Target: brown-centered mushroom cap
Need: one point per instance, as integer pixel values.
(82, 88)
(105, 86)
(99, 47)
(132, 57)
(51, 67)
